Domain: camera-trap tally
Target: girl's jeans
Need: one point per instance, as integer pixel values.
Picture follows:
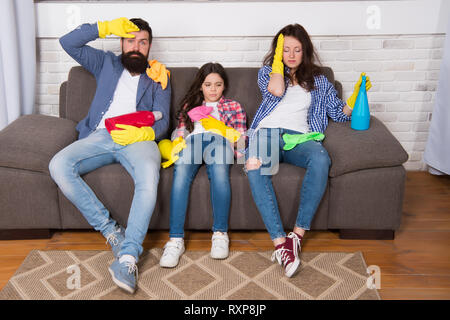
(267, 146)
(217, 154)
(142, 160)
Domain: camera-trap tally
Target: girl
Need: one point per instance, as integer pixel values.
(297, 99)
(204, 143)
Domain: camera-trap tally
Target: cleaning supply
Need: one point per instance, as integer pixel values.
(361, 112)
(120, 27)
(137, 119)
(158, 73)
(291, 140)
(351, 100)
(198, 113)
(169, 150)
(217, 126)
(277, 64)
(132, 134)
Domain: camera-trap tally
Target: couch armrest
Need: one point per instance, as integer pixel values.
(351, 150)
(32, 140)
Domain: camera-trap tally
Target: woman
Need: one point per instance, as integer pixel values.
(297, 100)
(210, 124)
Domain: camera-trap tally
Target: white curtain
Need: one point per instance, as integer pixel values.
(17, 59)
(437, 150)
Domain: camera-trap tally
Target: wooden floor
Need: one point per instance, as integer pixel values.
(416, 265)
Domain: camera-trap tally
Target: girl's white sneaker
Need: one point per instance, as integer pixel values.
(173, 250)
(219, 247)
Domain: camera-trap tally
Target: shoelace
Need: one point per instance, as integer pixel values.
(282, 255)
(132, 268)
(112, 239)
(296, 239)
(171, 248)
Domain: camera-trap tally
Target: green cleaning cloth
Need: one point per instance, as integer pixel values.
(291, 140)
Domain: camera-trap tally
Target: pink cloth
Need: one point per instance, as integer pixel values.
(199, 113)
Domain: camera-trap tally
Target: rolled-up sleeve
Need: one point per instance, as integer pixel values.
(334, 104)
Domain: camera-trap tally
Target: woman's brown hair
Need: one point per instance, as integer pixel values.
(308, 68)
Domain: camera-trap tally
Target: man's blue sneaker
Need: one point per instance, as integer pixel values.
(124, 275)
(115, 239)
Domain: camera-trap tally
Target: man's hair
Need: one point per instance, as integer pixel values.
(143, 25)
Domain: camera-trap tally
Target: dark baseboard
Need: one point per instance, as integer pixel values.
(25, 234)
(366, 234)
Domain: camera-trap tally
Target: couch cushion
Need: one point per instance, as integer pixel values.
(32, 140)
(180, 80)
(243, 87)
(79, 94)
(352, 150)
(29, 200)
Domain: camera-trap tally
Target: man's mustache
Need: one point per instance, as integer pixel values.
(132, 53)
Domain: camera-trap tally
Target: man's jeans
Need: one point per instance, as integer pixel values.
(142, 160)
(217, 154)
(311, 155)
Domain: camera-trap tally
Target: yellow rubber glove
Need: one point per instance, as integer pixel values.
(178, 145)
(216, 126)
(277, 64)
(169, 150)
(351, 101)
(132, 134)
(120, 27)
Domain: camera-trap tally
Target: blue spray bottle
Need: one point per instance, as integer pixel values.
(361, 112)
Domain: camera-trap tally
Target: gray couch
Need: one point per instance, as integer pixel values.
(363, 198)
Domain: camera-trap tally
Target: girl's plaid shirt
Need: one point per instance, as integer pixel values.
(231, 114)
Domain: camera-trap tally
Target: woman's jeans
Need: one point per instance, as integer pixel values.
(217, 154)
(142, 160)
(267, 146)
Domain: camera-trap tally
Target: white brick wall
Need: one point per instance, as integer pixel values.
(404, 71)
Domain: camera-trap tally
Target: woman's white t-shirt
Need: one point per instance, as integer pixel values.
(292, 111)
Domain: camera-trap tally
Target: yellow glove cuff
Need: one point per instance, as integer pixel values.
(277, 67)
(102, 29)
(351, 101)
(148, 134)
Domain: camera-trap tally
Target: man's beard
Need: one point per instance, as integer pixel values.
(134, 64)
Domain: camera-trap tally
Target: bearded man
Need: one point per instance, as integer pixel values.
(125, 84)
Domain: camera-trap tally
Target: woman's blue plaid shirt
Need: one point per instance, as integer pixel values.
(324, 103)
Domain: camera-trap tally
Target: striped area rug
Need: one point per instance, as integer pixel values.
(75, 275)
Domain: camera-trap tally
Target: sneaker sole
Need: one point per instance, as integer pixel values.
(219, 257)
(120, 284)
(293, 268)
(162, 265)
